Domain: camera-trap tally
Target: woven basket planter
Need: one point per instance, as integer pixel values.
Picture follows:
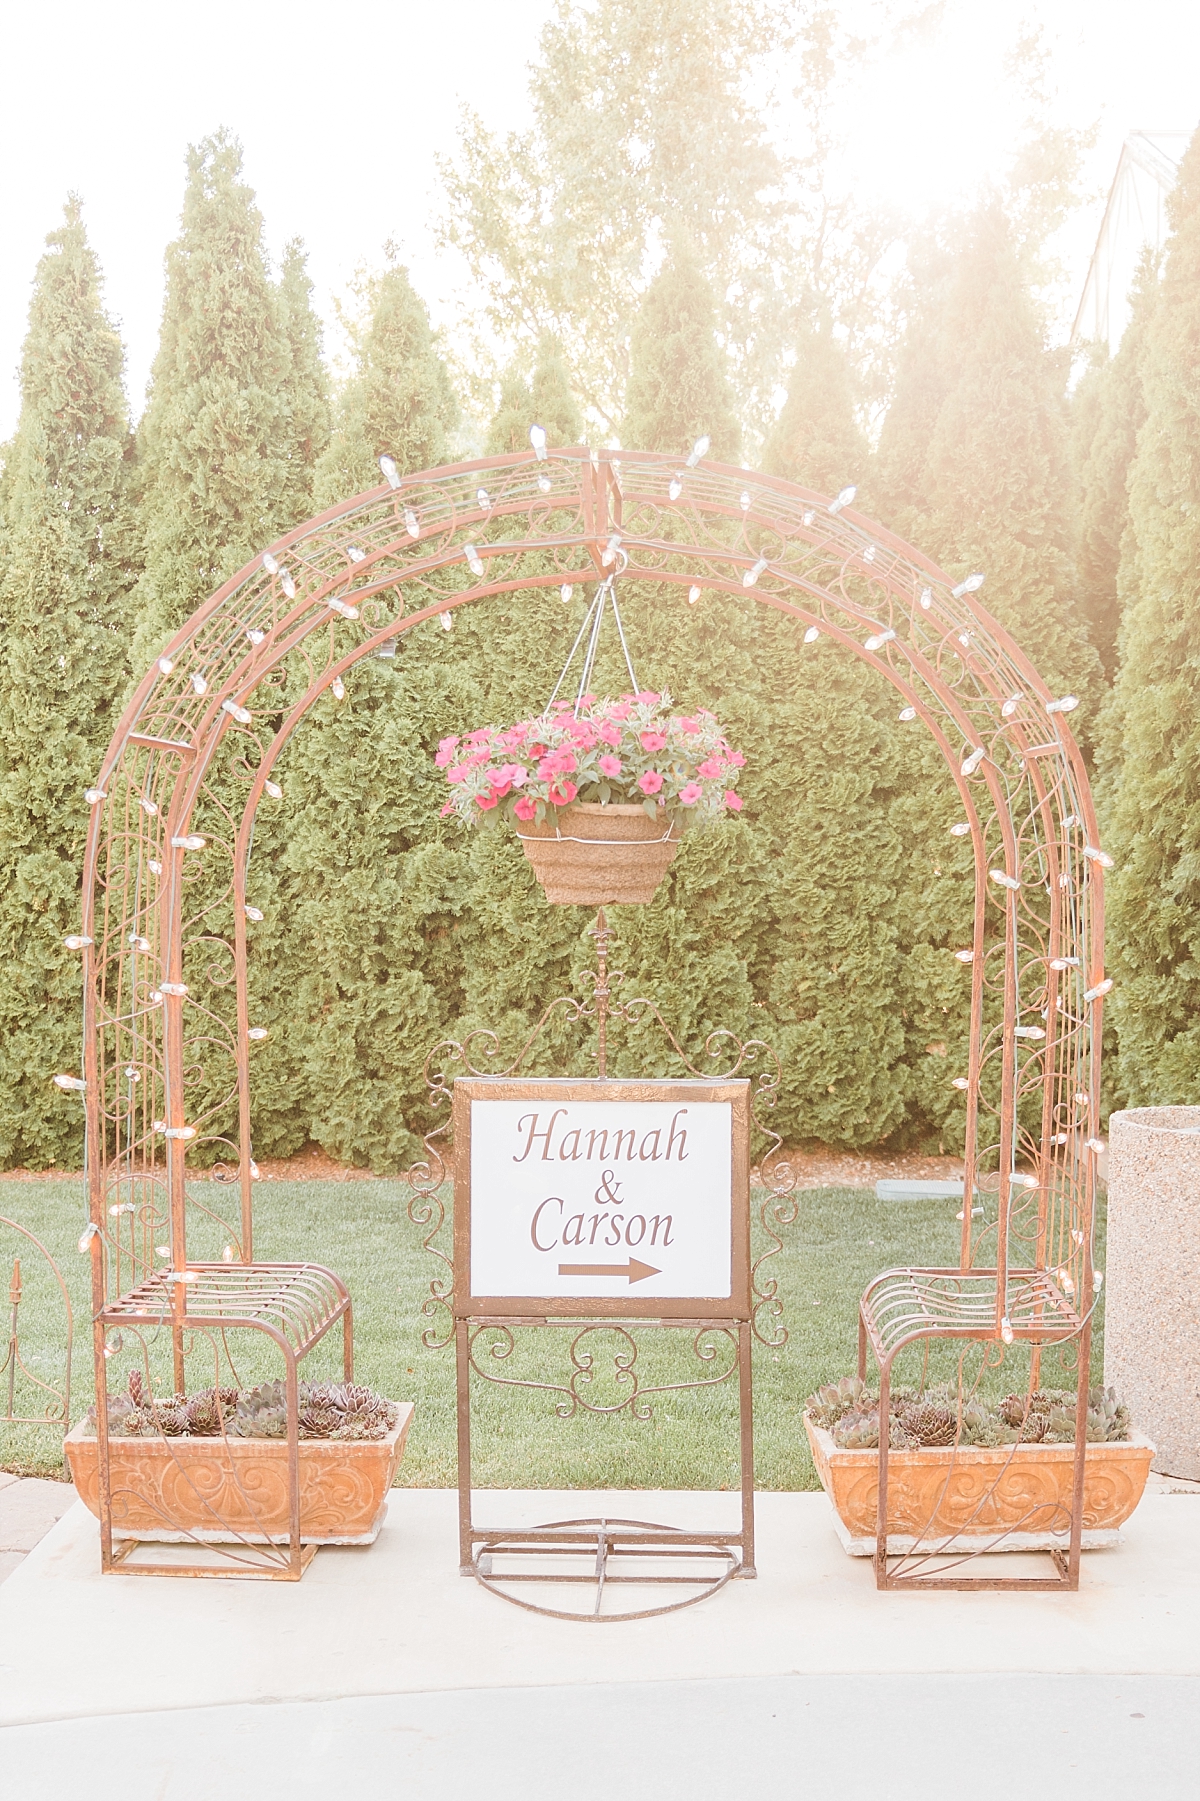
(1003, 1498)
(593, 856)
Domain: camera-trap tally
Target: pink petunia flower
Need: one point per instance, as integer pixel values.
(447, 809)
(608, 733)
(622, 710)
(690, 794)
(733, 801)
(647, 699)
(690, 726)
(458, 774)
(710, 769)
(651, 782)
(445, 751)
(652, 741)
(488, 800)
(563, 794)
(610, 766)
(737, 760)
(525, 808)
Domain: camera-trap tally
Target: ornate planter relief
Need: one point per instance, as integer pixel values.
(1018, 1496)
(217, 1490)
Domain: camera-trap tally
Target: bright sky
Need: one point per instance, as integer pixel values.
(342, 108)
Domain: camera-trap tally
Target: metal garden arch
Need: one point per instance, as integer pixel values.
(174, 805)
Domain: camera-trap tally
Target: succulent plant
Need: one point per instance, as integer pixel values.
(208, 1410)
(928, 1422)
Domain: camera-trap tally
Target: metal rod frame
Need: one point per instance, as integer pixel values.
(195, 749)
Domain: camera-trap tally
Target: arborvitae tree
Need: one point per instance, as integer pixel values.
(1108, 411)
(509, 429)
(399, 398)
(359, 879)
(546, 401)
(554, 405)
(218, 443)
(678, 386)
(66, 545)
(816, 440)
(307, 384)
(995, 489)
(1152, 811)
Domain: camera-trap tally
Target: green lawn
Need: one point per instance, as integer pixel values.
(360, 1229)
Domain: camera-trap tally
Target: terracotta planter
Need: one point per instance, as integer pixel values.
(934, 1495)
(214, 1490)
(591, 856)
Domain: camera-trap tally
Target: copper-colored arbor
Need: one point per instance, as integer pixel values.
(165, 898)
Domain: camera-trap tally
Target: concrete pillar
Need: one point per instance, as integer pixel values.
(1152, 1309)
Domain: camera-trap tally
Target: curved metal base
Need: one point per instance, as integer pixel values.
(602, 1540)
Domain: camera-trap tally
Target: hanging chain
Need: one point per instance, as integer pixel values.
(604, 597)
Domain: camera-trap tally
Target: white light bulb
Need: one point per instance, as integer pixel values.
(287, 584)
(76, 941)
(843, 499)
(154, 866)
(180, 1132)
(812, 634)
(235, 711)
(961, 829)
(906, 715)
(227, 1254)
(1006, 1331)
(269, 563)
(138, 942)
(273, 789)
(1064, 962)
(343, 607)
(484, 499)
(926, 598)
(390, 471)
(199, 684)
(565, 592)
(255, 913)
(537, 437)
(971, 586)
(356, 554)
(256, 1034)
(869, 554)
(147, 805)
(1005, 881)
(412, 524)
(1067, 704)
(1097, 856)
(965, 956)
(750, 579)
(189, 841)
(474, 561)
(1101, 988)
(960, 1082)
(693, 595)
(72, 1084)
(165, 665)
(1066, 1281)
(676, 487)
(255, 1175)
(609, 554)
(178, 989)
(93, 795)
(809, 517)
(1097, 1280)
(544, 484)
(338, 688)
(972, 761)
(1060, 1138)
(877, 640)
(699, 449)
(1096, 1145)
(1028, 1032)
(745, 500)
(447, 620)
(90, 1231)
(1011, 704)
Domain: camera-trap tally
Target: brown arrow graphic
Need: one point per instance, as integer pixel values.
(637, 1272)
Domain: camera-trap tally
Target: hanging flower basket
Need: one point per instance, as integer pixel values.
(599, 793)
